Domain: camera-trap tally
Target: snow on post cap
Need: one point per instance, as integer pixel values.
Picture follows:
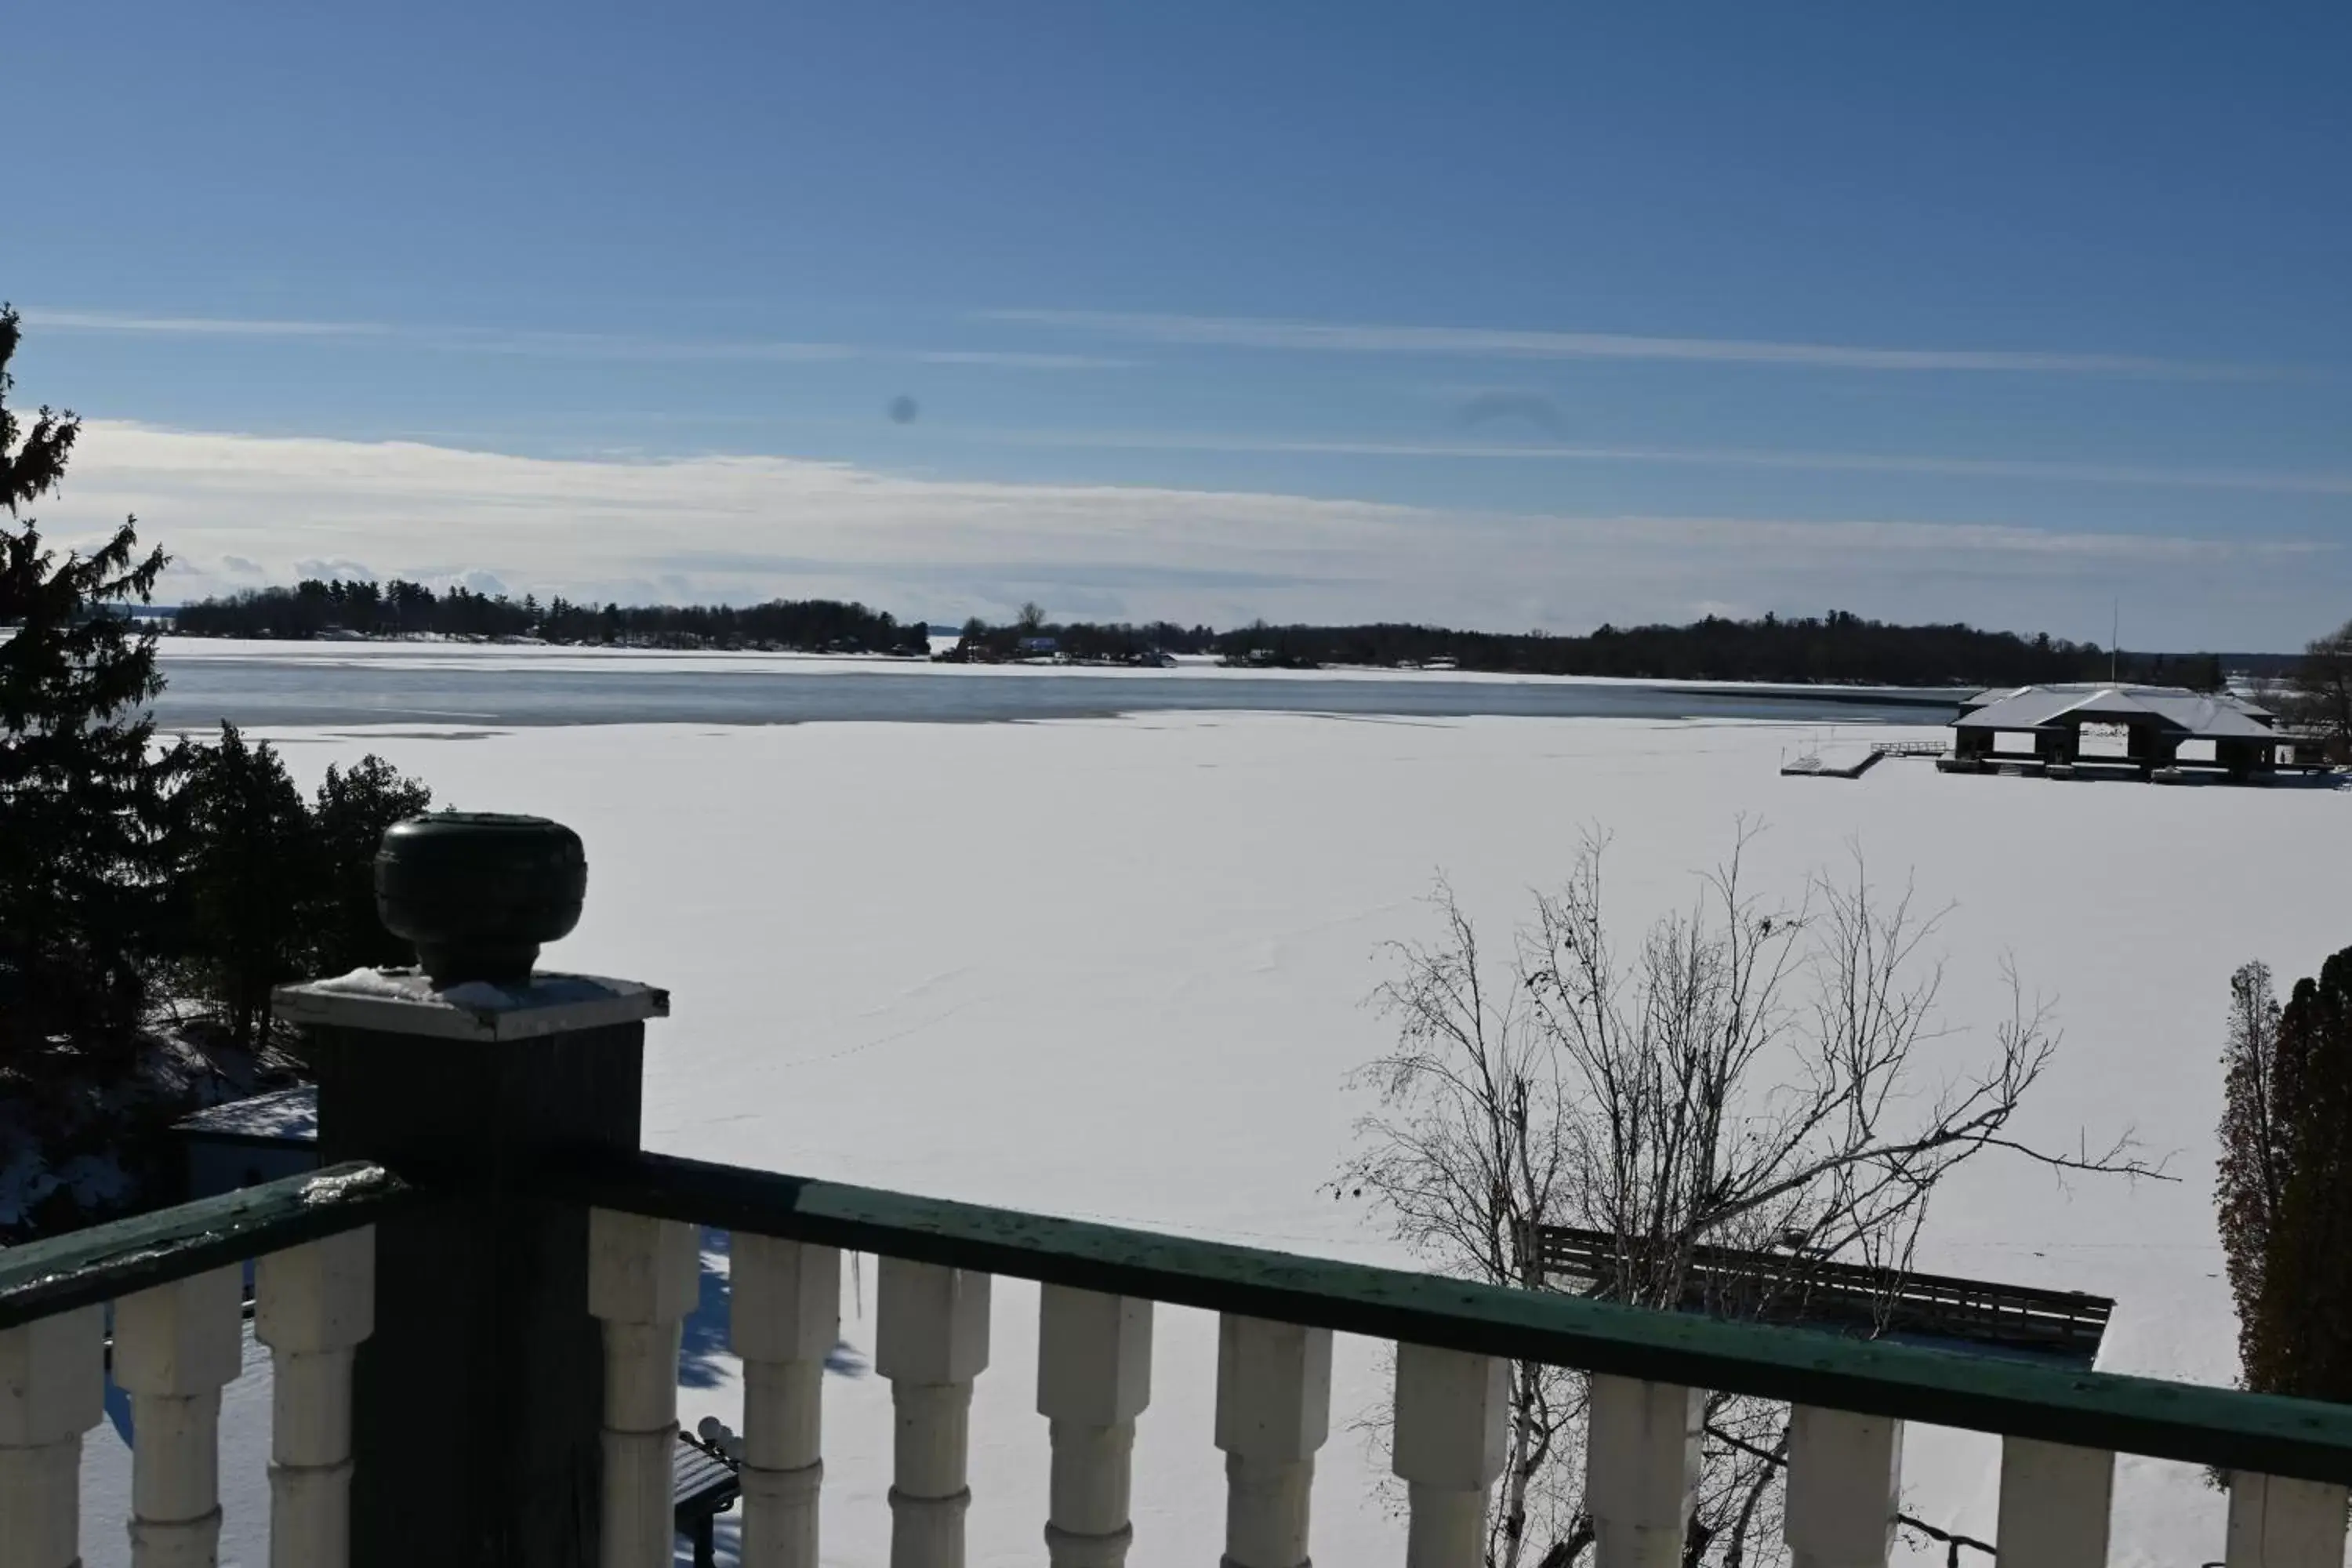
(407, 1002)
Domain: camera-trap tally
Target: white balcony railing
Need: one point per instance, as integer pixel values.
(177, 1331)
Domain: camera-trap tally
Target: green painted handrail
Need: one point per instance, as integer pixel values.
(2307, 1439)
(82, 1266)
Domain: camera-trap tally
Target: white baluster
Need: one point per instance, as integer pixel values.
(1274, 1410)
(643, 1278)
(784, 1320)
(1452, 1419)
(2055, 1501)
(1094, 1378)
(52, 1390)
(1845, 1476)
(1641, 1470)
(313, 1306)
(931, 1342)
(176, 1347)
(2278, 1523)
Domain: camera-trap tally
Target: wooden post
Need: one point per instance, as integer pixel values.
(2276, 1524)
(479, 1402)
(784, 1320)
(52, 1390)
(1451, 1416)
(2055, 1501)
(312, 1306)
(1641, 1470)
(1845, 1474)
(1274, 1410)
(176, 1346)
(931, 1342)
(643, 1276)
(1094, 1378)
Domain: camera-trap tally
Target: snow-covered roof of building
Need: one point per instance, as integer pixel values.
(288, 1116)
(2173, 707)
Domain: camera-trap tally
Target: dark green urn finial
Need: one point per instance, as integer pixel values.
(478, 892)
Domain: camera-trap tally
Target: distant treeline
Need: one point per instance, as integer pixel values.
(313, 609)
(1839, 647)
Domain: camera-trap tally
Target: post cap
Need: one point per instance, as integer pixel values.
(478, 893)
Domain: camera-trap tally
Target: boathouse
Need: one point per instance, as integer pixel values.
(2159, 727)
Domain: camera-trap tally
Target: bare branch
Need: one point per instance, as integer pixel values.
(1784, 1079)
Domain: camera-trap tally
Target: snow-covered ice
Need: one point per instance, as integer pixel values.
(1115, 969)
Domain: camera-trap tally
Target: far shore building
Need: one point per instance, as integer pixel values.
(2162, 727)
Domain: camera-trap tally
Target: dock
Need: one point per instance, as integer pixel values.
(1851, 762)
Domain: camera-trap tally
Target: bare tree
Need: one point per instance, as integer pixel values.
(1466, 1159)
(1751, 1075)
(2320, 689)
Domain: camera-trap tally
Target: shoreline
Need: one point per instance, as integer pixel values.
(490, 657)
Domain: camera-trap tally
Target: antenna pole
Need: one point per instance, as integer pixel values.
(2115, 635)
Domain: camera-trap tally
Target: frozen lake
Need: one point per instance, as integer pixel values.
(265, 683)
(1113, 968)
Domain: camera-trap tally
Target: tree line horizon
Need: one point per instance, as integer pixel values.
(1837, 647)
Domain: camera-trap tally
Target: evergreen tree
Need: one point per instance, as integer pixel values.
(348, 821)
(2286, 1182)
(82, 791)
(2253, 1152)
(248, 878)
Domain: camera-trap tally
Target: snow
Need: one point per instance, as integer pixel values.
(1113, 969)
(389, 985)
(27, 1180)
(334, 1187)
(288, 1113)
(405, 999)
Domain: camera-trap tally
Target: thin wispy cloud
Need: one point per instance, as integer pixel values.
(1482, 343)
(236, 508)
(611, 346)
(2277, 481)
(197, 326)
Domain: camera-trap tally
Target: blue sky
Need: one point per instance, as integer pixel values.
(1530, 316)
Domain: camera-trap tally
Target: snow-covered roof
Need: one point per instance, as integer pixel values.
(2174, 708)
(288, 1116)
